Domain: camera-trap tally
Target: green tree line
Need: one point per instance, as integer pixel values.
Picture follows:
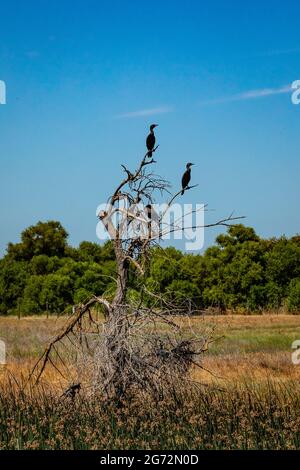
(241, 272)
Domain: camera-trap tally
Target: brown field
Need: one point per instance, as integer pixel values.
(249, 397)
(245, 348)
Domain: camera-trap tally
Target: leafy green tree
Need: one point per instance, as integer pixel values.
(43, 264)
(56, 292)
(182, 290)
(242, 271)
(13, 276)
(283, 262)
(44, 238)
(235, 271)
(81, 295)
(293, 299)
(31, 301)
(188, 284)
(89, 251)
(93, 280)
(274, 294)
(237, 234)
(163, 269)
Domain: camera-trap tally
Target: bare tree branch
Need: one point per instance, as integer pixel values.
(139, 344)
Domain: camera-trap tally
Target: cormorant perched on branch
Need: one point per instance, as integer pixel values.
(186, 177)
(153, 220)
(150, 142)
(151, 213)
(148, 210)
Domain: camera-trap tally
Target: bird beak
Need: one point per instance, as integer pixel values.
(155, 125)
(192, 163)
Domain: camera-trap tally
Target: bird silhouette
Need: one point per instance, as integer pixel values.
(153, 220)
(71, 391)
(148, 210)
(150, 141)
(186, 177)
(151, 213)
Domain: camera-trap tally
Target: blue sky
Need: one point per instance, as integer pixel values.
(86, 78)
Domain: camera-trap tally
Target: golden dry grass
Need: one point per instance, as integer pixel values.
(247, 348)
(254, 406)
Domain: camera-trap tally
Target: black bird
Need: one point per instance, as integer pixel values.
(148, 210)
(150, 142)
(186, 177)
(153, 220)
(71, 391)
(151, 213)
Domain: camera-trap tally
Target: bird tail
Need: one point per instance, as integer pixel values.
(182, 192)
(150, 154)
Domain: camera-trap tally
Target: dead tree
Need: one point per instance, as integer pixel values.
(128, 350)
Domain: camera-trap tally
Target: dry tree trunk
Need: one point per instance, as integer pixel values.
(116, 327)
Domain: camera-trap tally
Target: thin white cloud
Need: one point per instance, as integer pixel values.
(295, 50)
(146, 112)
(249, 95)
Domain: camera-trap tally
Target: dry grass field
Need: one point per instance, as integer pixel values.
(244, 348)
(249, 400)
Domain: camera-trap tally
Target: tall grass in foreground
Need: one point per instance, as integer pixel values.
(238, 418)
